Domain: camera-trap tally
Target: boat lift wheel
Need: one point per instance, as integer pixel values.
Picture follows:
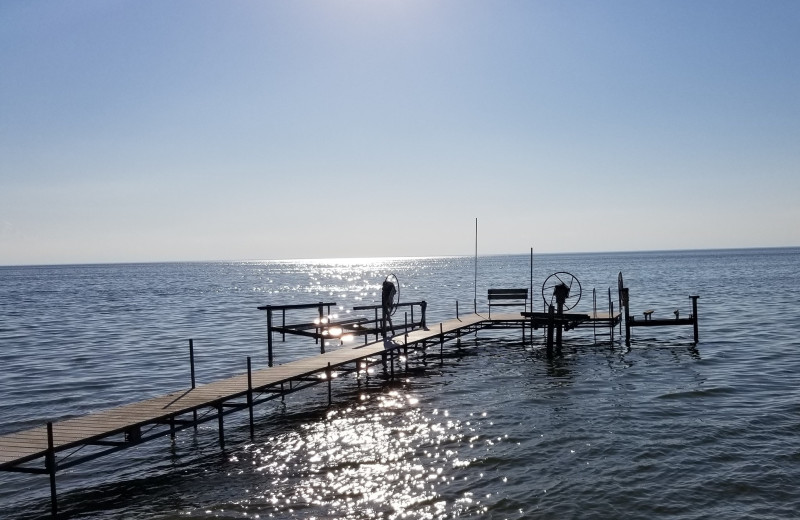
(559, 280)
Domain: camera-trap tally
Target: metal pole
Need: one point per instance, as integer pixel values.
(191, 365)
(250, 396)
(594, 316)
(50, 464)
(319, 329)
(269, 336)
(475, 297)
(191, 359)
(550, 326)
(610, 316)
(531, 281)
(526, 303)
(441, 343)
(626, 303)
(329, 375)
(694, 318)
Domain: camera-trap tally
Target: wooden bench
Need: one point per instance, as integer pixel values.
(507, 298)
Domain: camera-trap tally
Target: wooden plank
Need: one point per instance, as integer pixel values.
(28, 444)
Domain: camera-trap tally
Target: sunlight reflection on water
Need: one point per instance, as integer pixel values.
(383, 457)
(496, 429)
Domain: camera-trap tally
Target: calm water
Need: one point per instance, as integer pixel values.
(498, 430)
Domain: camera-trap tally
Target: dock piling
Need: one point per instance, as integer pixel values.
(329, 376)
(441, 343)
(694, 318)
(269, 336)
(625, 302)
(551, 311)
(191, 366)
(191, 359)
(50, 465)
(250, 397)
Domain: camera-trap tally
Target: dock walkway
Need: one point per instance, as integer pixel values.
(66, 443)
(101, 428)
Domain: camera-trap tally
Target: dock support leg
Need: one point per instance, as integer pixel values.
(220, 425)
(191, 359)
(329, 376)
(694, 318)
(441, 344)
(269, 336)
(550, 326)
(191, 366)
(50, 464)
(405, 354)
(250, 397)
(625, 300)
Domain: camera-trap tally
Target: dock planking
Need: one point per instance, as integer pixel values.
(24, 446)
(125, 426)
(21, 447)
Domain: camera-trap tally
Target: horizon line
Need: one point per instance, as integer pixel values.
(389, 258)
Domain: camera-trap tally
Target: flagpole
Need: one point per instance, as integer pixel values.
(475, 297)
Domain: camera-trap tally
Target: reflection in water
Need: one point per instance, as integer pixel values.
(381, 458)
(660, 429)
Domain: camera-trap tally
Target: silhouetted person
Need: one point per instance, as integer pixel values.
(387, 297)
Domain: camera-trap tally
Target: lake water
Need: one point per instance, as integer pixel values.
(663, 429)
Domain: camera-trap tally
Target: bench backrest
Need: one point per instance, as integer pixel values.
(507, 294)
(507, 298)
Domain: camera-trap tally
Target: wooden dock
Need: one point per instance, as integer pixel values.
(60, 445)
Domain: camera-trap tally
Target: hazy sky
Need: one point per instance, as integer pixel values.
(196, 130)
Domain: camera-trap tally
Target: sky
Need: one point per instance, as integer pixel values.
(138, 131)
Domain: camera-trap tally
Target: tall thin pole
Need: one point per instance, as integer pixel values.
(475, 297)
(523, 325)
(50, 464)
(191, 364)
(250, 396)
(191, 359)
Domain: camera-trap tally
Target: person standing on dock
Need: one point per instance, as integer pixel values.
(388, 292)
